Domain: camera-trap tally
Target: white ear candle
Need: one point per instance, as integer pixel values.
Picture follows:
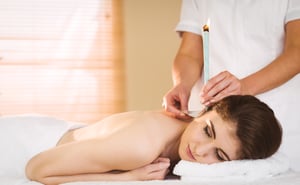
(206, 51)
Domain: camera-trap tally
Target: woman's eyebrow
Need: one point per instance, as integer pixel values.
(211, 125)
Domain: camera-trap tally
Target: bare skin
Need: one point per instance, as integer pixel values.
(134, 146)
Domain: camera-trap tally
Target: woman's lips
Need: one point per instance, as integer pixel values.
(189, 153)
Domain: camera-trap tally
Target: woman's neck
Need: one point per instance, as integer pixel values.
(177, 128)
(171, 152)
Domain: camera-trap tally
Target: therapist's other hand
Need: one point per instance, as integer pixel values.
(220, 86)
(176, 101)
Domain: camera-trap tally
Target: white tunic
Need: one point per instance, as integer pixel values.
(245, 36)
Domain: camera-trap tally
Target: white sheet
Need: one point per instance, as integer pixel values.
(288, 179)
(23, 136)
(291, 178)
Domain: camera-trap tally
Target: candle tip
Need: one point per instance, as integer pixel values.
(205, 27)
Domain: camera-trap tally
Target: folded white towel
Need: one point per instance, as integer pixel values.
(246, 170)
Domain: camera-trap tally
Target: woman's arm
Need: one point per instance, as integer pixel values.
(126, 150)
(154, 171)
(279, 71)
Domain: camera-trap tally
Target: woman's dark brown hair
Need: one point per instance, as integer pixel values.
(258, 130)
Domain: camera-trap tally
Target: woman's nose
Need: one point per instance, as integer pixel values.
(204, 149)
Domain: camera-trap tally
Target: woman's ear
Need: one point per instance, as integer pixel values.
(209, 107)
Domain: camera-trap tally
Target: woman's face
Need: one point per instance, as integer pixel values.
(209, 139)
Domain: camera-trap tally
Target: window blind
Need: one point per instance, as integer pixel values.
(62, 58)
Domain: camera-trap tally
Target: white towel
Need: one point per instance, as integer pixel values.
(23, 136)
(246, 170)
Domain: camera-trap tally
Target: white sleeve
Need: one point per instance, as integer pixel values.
(293, 11)
(190, 18)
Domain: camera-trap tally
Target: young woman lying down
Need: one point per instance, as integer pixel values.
(142, 145)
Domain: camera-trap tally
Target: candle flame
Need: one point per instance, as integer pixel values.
(206, 26)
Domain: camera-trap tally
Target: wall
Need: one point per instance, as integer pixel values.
(150, 47)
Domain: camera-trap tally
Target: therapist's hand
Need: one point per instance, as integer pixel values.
(220, 86)
(176, 101)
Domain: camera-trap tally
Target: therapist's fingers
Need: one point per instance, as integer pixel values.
(213, 81)
(184, 98)
(220, 86)
(176, 102)
(230, 90)
(213, 87)
(171, 104)
(175, 111)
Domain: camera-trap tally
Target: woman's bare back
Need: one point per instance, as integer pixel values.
(124, 141)
(135, 121)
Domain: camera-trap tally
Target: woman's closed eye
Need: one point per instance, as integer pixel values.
(219, 156)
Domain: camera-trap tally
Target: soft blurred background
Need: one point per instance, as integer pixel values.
(150, 47)
(82, 60)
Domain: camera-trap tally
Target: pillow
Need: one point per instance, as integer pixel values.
(246, 170)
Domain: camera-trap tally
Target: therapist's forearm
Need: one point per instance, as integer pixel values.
(186, 70)
(275, 74)
(188, 62)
